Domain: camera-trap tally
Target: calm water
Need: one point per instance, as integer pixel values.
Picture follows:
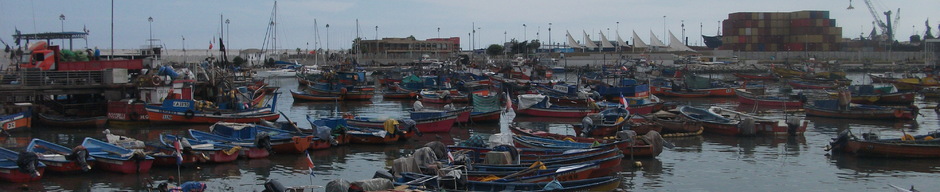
(701, 163)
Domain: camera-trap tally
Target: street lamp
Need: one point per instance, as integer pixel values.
(550, 49)
(376, 48)
(438, 32)
(228, 31)
(524, 33)
(62, 20)
(328, 38)
(150, 20)
(664, 27)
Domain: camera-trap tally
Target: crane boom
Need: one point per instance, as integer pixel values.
(886, 28)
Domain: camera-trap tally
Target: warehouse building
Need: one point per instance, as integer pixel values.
(781, 31)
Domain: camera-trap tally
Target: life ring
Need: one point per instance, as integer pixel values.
(133, 116)
(898, 113)
(156, 80)
(189, 114)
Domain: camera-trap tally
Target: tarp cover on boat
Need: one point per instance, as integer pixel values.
(529, 100)
(485, 103)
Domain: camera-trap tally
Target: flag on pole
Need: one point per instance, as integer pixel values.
(179, 152)
(210, 45)
(310, 164)
(623, 100)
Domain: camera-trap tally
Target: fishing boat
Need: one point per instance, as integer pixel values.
(20, 167)
(786, 72)
(301, 96)
(567, 173)
(376, 136)
(605, 123)
(399, 94)
(485, 108)
(215, 153)
(17, 120)
(674, 123)
(112, 158)
(336, 125)
(787, 126)
(747, 97)
(608, 183)
(436, 97)
(920, 146)
(714, 123)
(347, 92)
(627, 148)
(539, 106)
(186, 111)
(60, 158)
(692, 94)
(74, 122)
(127, 110)
(441, 124)
(869, 94)
(252, 150)
(421, 113)
(281, 141)
(755, 76)
(821, 108)
(811, 85)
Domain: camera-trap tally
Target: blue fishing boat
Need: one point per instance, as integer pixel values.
(280, 140)
(214, 152)
(59, 158)
(112, 158)
(20, 167)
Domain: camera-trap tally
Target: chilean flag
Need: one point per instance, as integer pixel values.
(623, 100)
(179, 152)
(310, 164)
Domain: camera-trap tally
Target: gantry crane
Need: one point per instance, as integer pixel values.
(887, 28)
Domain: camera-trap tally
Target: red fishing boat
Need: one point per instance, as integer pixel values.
(809, 85)
(693, 94)
(640, 149)
(860, 112)
(60, 158)
(746, 97)
(112, 158)
(441, 124)
(17, 120)
(301, 96)
(127, 110)
(764, 125)
(399, 94)
(214, 153)
(755, 77)
(921, 146)
(251, 150)
(489, 116)
(605, 123)
(12, 170)
(184, 111)
(75, 122)
(712, 122)
(376, 136)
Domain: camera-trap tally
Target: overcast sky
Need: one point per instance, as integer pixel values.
(198, 20)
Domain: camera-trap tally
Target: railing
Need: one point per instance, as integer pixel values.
(46, 78)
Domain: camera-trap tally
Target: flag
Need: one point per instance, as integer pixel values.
(624, 68)
(210, 45)
(179, 152)
(623, 100)
(450, 157)
(310, 164)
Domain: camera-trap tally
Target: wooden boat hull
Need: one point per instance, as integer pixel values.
(253, 153)
(804, 85)
(318, 144)
(463, 114)
(372, 139)
(296, 144)
(898, 98)
(431, 125)
(883, 115)
(400, 95)
(893, 150)
(16, 121)
(711, 122)
(491, 116)
(170, 160)
(723, 129)
(64, 166)
(608, 183)
(747, 98)
(569, 113)
(298, 96)
(90, 122)
(436, 100)
(219, 156)
(125, 166)
(755, 77)
(123, 111)
(15, 176)
(695, 94)
(251, 116)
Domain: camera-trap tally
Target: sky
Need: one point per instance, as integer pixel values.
(198, 21)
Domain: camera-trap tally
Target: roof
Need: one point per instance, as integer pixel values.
(51, 35)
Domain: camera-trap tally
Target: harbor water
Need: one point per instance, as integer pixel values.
(699, 163)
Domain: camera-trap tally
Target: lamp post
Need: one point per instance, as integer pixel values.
(184, 49)
(438, 32)
(327, 38)
(477, 38)
(664, 26)
(375, 50)
(550, 49)
(150, 20)
(228, 31)
(62, 20)
(524, 33)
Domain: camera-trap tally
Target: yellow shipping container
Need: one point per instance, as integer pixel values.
(761, 24)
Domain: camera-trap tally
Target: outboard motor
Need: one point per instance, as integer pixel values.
(80, 156)
(28, 163)
(587, 124)
(409, 125)
(264, 141)
(274, 186)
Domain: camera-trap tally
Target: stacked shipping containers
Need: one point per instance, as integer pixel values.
(793, 31)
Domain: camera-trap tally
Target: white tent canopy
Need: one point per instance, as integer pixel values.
(677, 45)
(587, 41)
(637, 42)
(604, 42)
(571, 42)
(620, 41)
(654, 41)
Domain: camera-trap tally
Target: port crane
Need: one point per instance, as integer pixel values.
(887, 27)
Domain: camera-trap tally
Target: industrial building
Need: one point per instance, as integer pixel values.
(410, 46)
(781, 31)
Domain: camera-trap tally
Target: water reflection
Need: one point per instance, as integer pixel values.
(882, 165)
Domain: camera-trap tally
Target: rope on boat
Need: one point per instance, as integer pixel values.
(699, 132)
